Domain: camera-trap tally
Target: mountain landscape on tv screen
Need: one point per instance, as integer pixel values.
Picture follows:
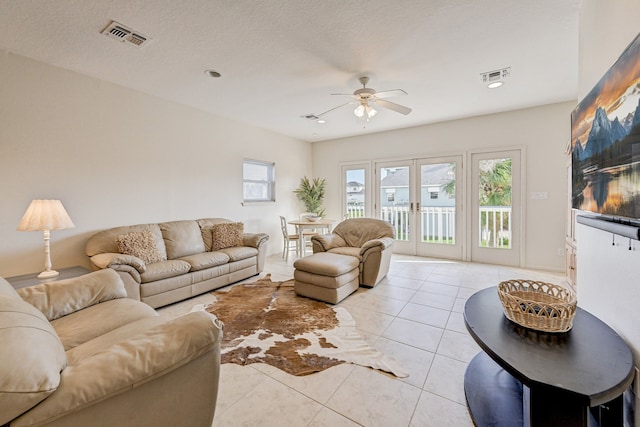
(605, 135)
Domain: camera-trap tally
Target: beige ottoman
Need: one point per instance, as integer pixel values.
(326, 277)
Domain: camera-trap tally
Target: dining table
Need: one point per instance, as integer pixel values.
(302, 224)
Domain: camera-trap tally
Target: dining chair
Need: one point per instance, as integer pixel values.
(289, 239)
(308, 233)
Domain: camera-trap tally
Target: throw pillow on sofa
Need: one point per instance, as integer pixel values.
(226, 235)
(140, 244)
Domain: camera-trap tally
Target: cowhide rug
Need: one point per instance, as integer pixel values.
(266, 322)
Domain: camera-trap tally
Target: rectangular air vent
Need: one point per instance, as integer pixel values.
(492, 76)
(125, 35)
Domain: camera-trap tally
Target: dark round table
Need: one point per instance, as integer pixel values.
(564, 375)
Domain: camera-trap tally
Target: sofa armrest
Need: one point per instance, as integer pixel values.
(380, 244)
(57, 299)
(115, 261)
(255, 240)
(136, 361)
(324, 242)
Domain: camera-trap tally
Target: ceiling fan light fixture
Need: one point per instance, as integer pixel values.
(359, 111)
(371, 111)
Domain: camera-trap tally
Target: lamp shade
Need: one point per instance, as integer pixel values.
(45, 215)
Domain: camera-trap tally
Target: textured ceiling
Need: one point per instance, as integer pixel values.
(280, 60)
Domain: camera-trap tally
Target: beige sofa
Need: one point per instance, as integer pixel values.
(370, 240)
(76, 352)
(187, 258)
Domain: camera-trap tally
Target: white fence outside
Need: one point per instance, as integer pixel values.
(439, 226)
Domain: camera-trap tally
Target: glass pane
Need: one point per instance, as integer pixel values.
(256, 191)
(438, 203)
(255, 172)
(355, 192)
(494, 195)
(394, 199)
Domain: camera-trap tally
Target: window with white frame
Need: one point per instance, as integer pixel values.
(258, 181)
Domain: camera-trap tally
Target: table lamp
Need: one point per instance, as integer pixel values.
(45, 215)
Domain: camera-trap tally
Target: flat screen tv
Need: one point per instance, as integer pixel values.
(605, 142)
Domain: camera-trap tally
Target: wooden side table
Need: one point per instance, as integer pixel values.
(564, 376)
(31, 279)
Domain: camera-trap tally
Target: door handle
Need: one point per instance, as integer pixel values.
(411, 207)
(417, 207)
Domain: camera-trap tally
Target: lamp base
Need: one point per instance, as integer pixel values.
(48, 274)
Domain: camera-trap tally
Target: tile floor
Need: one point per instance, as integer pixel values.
(413, 315)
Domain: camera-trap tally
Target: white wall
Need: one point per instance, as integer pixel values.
(117, 157)
(608, 275)
(542, 131)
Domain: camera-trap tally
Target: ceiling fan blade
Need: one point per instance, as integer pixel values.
(390, 93)
(335, 108)
(393, 106)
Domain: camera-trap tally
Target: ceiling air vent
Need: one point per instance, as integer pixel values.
(310, 117)
(125, 35)
(492, 76)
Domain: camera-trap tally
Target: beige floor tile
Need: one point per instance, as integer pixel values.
(446, 378)
(425, 314)
(319, 386)
(235, 382)
(328, 418)
(456, 323)
(395, 292)
(445, 279)
(415, 360)
(439, 288)
(457, 345)
(403, 282)
(444, 302)
(436, 411)
(390, 402)
(369, 321)
(414, 334)
(270, 403)
(382, 304)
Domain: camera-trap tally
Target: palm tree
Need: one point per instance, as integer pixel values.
(495, 190)
(311, 193)
(495, 184)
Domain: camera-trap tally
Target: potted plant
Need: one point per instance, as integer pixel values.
(311, 193)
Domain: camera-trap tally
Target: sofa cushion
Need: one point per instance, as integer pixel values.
(206, 260)
(105, 241)
(31, 357)
(346, 250)
(182, 238)
(357, 231)
(140, 244)
(7, 290)
(238, 253)
(205, 225)
(85, 325)
(226, 235)
(165, 269)
(57, 299)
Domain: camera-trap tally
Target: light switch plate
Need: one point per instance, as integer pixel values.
(539, 195)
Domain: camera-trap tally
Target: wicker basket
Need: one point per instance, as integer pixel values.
(538, 305)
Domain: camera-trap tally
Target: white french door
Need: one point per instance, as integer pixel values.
(439, 211)
(496, 207)
(421, 199)
(396, 201)
(356, 190)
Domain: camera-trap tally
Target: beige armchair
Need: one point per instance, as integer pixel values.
(368, 239)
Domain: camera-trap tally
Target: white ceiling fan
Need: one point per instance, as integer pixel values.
(366, 98)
